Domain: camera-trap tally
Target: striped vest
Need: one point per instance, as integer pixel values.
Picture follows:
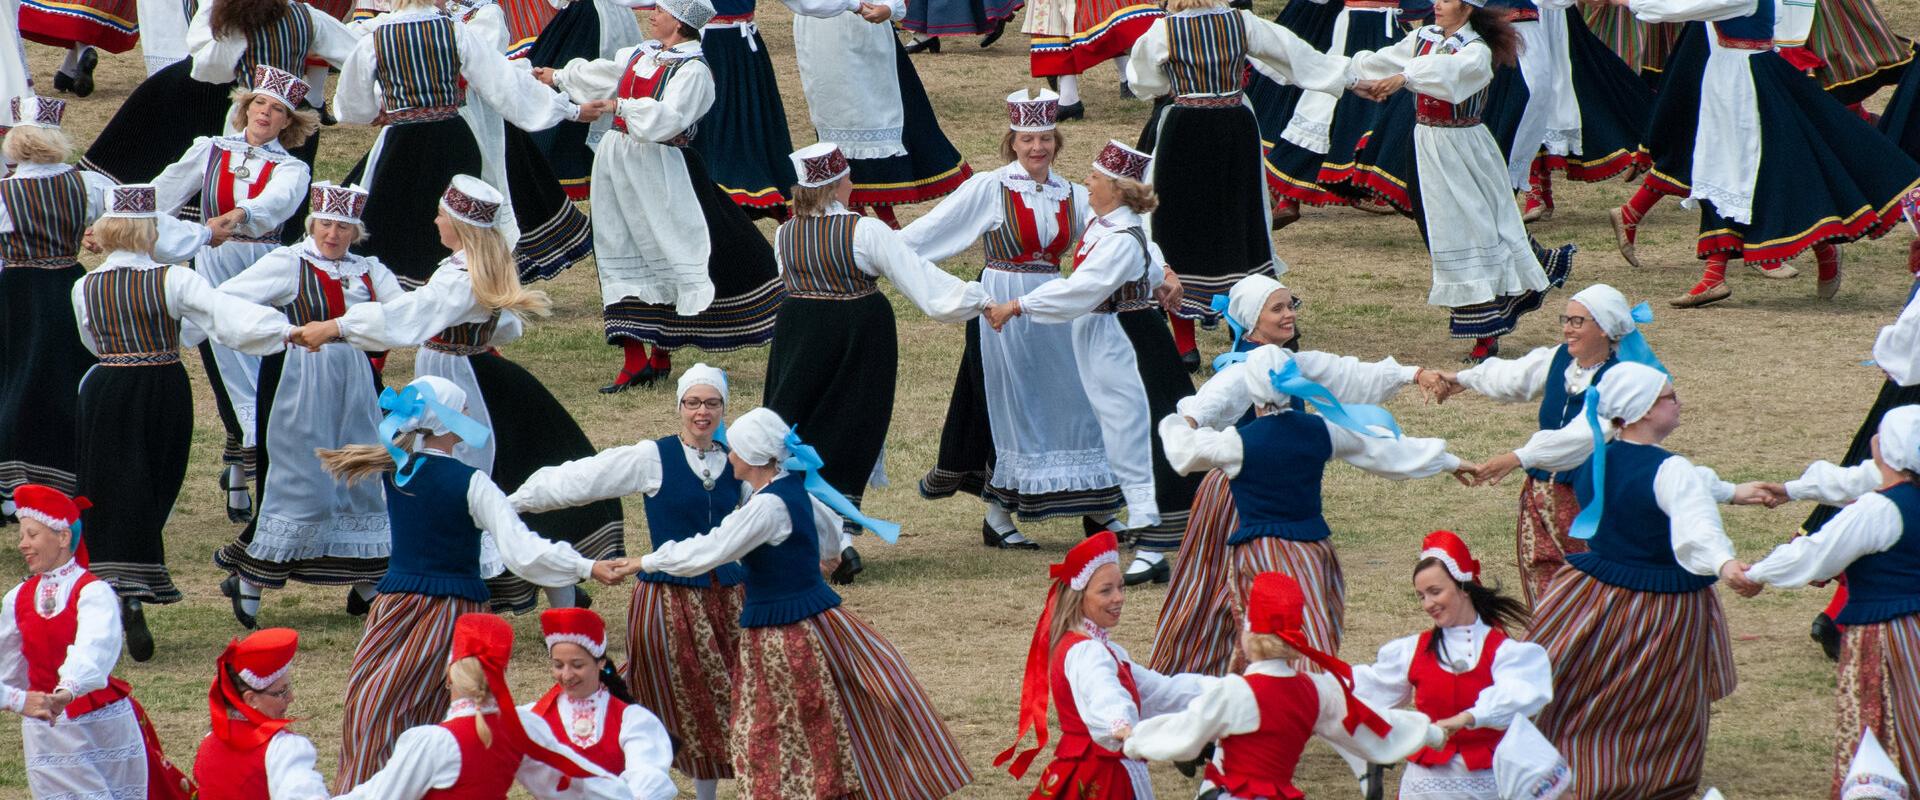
(1015, 246)
(633, 86)
(220, 190)
(816, 257)
(283, 45)
(1428, 110)
(1207, 56)
(417, 67)
(49, 217)
(129, 318)
(321, 296)
(465, 339)
(1136, 294)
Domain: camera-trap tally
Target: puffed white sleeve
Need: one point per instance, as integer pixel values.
(1408, 732)
(489, 24)
(1871, 525)
(541, 561)
(273, 281)
(543, 781)
(215, 58)
(823, 9)
(13, 665)
(1163, 694)
(1896, 349)
(1221, 400)
(332, 42)
(1352, 380)
(1398, 458)
(587, 79)
(178, 242)
(527, 103)
(1453, 77)
(286, 188)
(252, 329)
(1190, 450)
(181, 180)
(1522, 685)
(880, 251)
(507, 330)
(98, 188)
(1110, 262)
(411, 318)
(1284, 53)
(761, 520)
(1510, 380)
(958, 221)
(1691, 10)
(1563, 448)
(1700, 540)
(1146, 62)
(1225, 708)
(609, 474)
(385, 284)
(96, 640)
(1831, 484)
(688, 96)
(1372, 65)
(649, 752)
(1384, 683)
(1104, 704)
(354, 100)
(290, 771)
(424, 758)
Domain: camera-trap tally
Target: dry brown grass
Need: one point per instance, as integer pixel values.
(1771, 379)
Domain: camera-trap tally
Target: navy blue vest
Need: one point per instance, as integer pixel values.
(683, 509)
(1557, 407)
(1278, 489)
(1633, 547)
(784, 584)
(436, 548)
(1885, 586)
(1754, 28)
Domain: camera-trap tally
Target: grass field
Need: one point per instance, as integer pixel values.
(1771, 380)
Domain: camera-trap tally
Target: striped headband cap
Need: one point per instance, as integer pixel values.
(1117, 160)
(133, 201)
(280, 85)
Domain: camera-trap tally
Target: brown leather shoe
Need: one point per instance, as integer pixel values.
(1691, 300)
(1623, 235)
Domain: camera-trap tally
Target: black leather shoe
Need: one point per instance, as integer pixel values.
(930, 44)
(1192, 768)
(230, 587)
(239, 516)
(1126, 91)
(1090, 528)
(133, 620)
(62, 82)
(326, 117)
(1828, 635)
(645, 377)
(992, 538)
(1191, 360)
(356, 605)
(1075, 111)
(849, 566)
(1160, 572)
(83, 83)
(999, 29)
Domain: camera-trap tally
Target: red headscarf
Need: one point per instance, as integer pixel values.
(260, 660)
(489, 639)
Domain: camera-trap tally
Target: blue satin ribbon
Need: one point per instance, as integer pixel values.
(1233, 354)
(806, 460)
(1359, 417)
(1633, 347)
(405, 406)
(1588, 520)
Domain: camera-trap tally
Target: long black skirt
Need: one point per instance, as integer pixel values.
(572, 33)
(554, 234)
(41, 362)
(830, 373)
(931, 168)
(1676, 113)
(1507, 98)
(532, 430)
(746, 284)
(1382, 165)
(1295, 172)
(136, 431)
(1212, 221)
(417, 161)
(1901, 120)
(743, 137)
(1166, 381)
(1615, 105)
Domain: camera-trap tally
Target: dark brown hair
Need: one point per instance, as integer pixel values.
(241, 17)
(1495, 609)
(1499, 34)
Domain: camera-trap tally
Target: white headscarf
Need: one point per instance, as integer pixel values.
(447, 393)
(1628, 391)
(1609, 308)
(1261, 362)
(702, 375)
(1900, 438)
(759, 437)
(1247, 297)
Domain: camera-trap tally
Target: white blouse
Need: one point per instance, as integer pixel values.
(410, 319)
(1092, 668)
(609, 474)
(285, 187)
(1830, 484)
(428, 757)
(1191, 450)
(1689, 494)
(1896, 349)
(881, 252)
(231, 322)
(1872, 524)
(275, 279)
(975, 209)
(507, 543)
(1452, 77)
(216, 59)
(762, 520)
(1271, 48)
(96, 638)
(1524, 379)
(1097, 271)
(487, 72)
(1522, 674)
(686, 100)
(98, 186)
(1224, 398)
(643, 740)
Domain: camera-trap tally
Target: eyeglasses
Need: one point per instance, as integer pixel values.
(283, 694)
(1296, 303)
(1575, 323)
(693, 403)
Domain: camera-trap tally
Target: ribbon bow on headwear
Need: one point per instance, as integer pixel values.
(1629, 390)
(1360, 418)
(1276, 606)
(1233, 355)
(1588, 520)
(1633, 346)
(806, 460)
(405, 407)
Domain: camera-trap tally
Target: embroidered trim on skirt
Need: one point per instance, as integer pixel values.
(134, 436)
(743, 138)
(1879, 690)
(1541, 543)
(958, 17)
(397, 680)
(1499, 316)
(41, 357)
(1294, 172)
(1860, 51)
(1676, 113)
(1615, 105)
(554, 235)
(111, 25)
(1198, 622)
(931, 168)
(683, 654)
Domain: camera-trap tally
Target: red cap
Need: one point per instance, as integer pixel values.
(48, 506)
(1453, 552)
(1275, 605)
(261, 659)
(489, 639)
(577, 626)
(1084, 558)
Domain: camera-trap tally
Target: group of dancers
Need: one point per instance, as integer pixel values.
(470, 490)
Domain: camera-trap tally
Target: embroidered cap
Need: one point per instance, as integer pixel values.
(327, 200)
(1033, 113)
(1117, 160)
(1872, 775)
(1451, 551)
(472, 201)
(280, 85)
(39, 112)
(133, 201)
(819, 164)
(695, 13)
(575, 626)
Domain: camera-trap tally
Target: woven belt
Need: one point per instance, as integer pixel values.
(685, 138)
(1023, 267)
(271, 238)
(1523, 15)
(455, 349)
(1446, 122)
(424, 114)
(140, 359)
(1110, 307)
(57, 262)
(1743, 44)
(1207, 101)
(803, 295)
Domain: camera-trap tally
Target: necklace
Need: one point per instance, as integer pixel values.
(706, 468)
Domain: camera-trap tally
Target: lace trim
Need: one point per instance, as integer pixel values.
(1054, 471)
(866, 142)
(1735, 205)
(1482, 785)
(1315, 135)
(1015, 179)
(346, 536)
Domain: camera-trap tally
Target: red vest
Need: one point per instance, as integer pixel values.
(44, 642)
(606, 752)
(486, 773)
(225, 772)
(1439, 694)
(1074, 741)
(1259, 765)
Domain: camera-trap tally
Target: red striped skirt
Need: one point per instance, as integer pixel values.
(826, 707)
(1197, 622)
(682, 647)
(1316, 567)
(1634, 674)
(1540, 536)
(398, 678)
(1880, 691)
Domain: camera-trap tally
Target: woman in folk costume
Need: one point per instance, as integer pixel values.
(932, 21)
(82, 732)
(1324, 124)
(135, 411)
(865, 97)
(1020, 433)
(1262, 720)
(1213, 222)
(411, 73)
(1273, 466)
(1715, 116)
(1195, 631)
(1603, 100)
(247, 186)
(79, 28)
(680, 264)
(310, 528)
(486, 745)
(1070, 37)
(873, 732)
(45, 207)
(1637, 637)
(588, 29)
(744, 136)
(682, 632)
(452, 528)
(1486, 270)
(834, 334)
(1879, 678)
(250, 754)
(1467, 673)
(1846, 45)
(471, 306)
(1100, 691)
(589, 710)
(1127, 362)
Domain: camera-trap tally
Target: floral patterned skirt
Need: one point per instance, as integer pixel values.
(1880, 691)
(682, 656)
(1541, 543)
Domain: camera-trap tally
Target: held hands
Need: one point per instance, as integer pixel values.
(998, 313)
(223, 227)
(1454, 724)
(611, 571)
(88, 242)
(1734, 572)
(595, 109)
(1497, 468)
(875, 14)
(543, 75)
(1760, 493)
(1468, 473)
(314, 335)
(1437, 385)
(1169, 292)
(1380, 90)
(46, 707)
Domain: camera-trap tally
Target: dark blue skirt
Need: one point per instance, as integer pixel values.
(1382, 163)
(572, 33)
(931, 168)
(1615, 105)
(1273, 101)
(958, 17)
(1296, 172)
(1676, 114)
(1506, 101)
(744, 137)
(417, 161)
(1901, 121)
(554, 235)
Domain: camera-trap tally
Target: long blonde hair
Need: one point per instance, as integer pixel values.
(32, 144)
(357, 462)
(468, 680)
(1067, 615)
(496, 281)
(133, 235)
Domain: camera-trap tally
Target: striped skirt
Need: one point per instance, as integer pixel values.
(828, 708)
(1315, 566)
(1547, 509)
(1633, 676)
(1197, 621)
(682, 650)
(1880, 691)
(398, 679)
